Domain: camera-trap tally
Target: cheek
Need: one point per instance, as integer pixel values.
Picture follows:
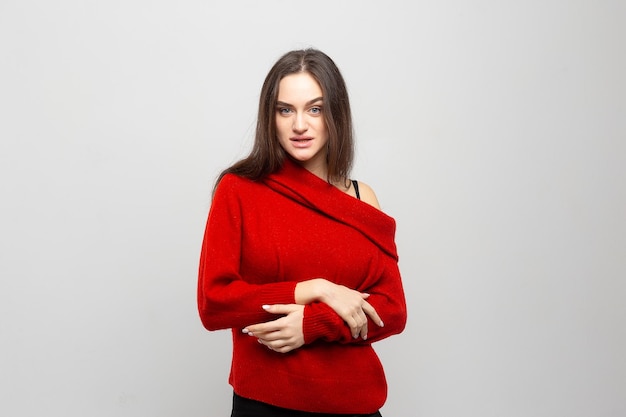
(321, 126)
(282, 132)
(282, 126)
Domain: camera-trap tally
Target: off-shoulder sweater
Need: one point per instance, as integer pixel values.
(261, 239)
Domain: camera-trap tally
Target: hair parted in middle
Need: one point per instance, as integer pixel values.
(267, 155)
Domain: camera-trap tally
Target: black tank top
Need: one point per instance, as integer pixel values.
(355, 184)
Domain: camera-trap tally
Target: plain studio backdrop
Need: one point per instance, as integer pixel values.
(493, 131)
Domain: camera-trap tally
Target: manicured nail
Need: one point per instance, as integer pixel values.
(381, 324)
(265, 307)
(244, 331)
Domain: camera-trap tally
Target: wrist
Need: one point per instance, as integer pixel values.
(324, 291)
(312, 290)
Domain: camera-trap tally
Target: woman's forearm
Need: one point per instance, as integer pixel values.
(307, 292)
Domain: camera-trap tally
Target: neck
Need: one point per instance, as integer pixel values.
(317, 168)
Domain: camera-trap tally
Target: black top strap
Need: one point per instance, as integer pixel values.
(355, 184)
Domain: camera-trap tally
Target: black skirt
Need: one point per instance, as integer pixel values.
(244, 407)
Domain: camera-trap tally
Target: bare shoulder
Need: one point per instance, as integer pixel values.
(368, 195)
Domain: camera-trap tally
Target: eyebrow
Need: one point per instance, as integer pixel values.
(308, 103)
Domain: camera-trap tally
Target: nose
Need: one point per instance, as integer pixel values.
(299, 123)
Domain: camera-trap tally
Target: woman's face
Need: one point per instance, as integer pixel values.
(300, 124)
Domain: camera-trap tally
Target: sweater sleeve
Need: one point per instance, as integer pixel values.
(225, 300)
(386, 296)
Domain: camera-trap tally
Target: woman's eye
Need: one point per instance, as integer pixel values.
(316, 110)
(284, 110)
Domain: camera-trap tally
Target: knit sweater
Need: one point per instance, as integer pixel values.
(261, 239)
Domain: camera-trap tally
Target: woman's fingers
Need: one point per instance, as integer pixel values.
(371, 312)
(262, 328)
(363, 332)
(358, 321)
(274, 325)
(352, 306)
(278, 342)
(283, 334)
(278, 347)
(355, 326)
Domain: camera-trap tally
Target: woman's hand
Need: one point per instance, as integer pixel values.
(350, 305)
(281, 335)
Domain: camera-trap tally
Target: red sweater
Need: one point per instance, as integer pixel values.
(261, 239)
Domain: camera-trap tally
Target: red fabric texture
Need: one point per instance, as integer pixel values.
(261, 239)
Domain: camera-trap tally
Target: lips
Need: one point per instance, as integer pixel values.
(301, 141)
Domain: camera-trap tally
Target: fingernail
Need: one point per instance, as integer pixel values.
(365, 337)
(244, 331)
(381, 324)
(265, 307)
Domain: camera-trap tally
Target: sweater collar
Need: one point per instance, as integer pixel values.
(298, 184)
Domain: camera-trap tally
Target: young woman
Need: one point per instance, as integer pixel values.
(298, 260)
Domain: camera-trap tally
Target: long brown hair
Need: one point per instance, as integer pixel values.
(267, 155)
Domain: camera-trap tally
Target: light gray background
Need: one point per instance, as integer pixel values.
(493, 131)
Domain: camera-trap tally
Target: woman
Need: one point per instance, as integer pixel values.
(298, 260)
